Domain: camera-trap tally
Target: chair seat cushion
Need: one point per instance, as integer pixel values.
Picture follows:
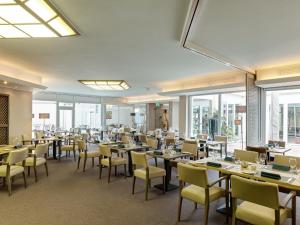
(90, 154)
(153, 172)
(39, 161)
(67, 148)
(197, 194)
(259, 215)
(114, 161)
(14, 170)
(30, 147)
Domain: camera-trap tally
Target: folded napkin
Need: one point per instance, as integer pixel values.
(214, 164)
(229, 159)
(281, 167)
(121, 146)
(270, 175)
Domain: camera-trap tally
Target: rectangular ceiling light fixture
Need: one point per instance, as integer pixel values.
(31, 19)
(106, 85)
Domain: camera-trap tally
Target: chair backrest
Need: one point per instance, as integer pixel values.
(261, 193)
(125, 139)
(105, 150)
(143, 138)
(170, 134)
(259, 149)
(202, 136)
(192, 175)
(39, 134)
(41, 150)
(81, 145)
(17, 156)
(244, 155)
(152, 143)
(126, 129)
(190, 147)
(284, 160)
(169, 141)
(221, 138)
(139, 159)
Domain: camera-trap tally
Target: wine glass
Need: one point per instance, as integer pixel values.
(262, 158)
(293, 164)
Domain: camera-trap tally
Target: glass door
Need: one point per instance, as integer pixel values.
(65, 119)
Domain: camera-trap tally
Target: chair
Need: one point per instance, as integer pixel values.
(85, 154)
(244, 155)
(10, 168)
(143, 138)
(169, 141)
(259, 150)
(200, 191)
(108, 161)
(152, 143)
(202, 136)
(190, 147)
(146, 172)
(69, 148)
(222, 139)
(38, 158)
(126, 139)
(284, 160)
(261, 204)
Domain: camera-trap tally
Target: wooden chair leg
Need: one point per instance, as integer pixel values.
(84, 163)
(24, 178)
(164, 184)
(116, 170)
(125, 172)
(147, 188)
(195, 205)
(74, 154)
(93, 162)
(46, 167)
(28, 171)
(179, 209)
(78, 162)
(100, 171)
(109, 172)
(4, 181)
(294, 211)
(206, 212)
(133, 184)
(155, 161)
(8, 181)
(35, 174)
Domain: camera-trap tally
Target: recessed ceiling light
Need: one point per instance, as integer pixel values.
(4, 82)
(106, 85)
(32, 18)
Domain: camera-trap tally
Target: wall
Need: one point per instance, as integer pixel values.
(175, 116)
(20, 113)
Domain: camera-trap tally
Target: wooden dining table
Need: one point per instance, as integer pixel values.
(168, 157)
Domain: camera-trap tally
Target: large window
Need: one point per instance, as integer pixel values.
(118, 115)
(87, 115)
(204, 108)
(43, 115)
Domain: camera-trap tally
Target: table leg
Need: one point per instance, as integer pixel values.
(54, 149)
(130, 169)
(168, 185)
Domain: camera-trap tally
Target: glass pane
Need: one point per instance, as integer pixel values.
(65, 119)
(65, 104)
(43, 107)
(87, 115)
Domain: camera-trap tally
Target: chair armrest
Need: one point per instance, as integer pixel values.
(287, 199)
(217, 181)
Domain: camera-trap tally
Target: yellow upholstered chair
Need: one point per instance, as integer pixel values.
(199, 191)
(152, 143)
(169, 141)
(145, 171)
(10, 167)
(143, 138)
(108, 161)
(261, 204)
(126, 139)
(244, 155)
(190, 147)
(284, 160)
(85, 154)
(37, 158)
(71, 147)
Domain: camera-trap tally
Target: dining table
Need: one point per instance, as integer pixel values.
(128, 149)
(286, 180)
(205, 144)
(167, 156)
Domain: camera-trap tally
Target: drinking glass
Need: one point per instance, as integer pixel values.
(293, 165)
(262, 158)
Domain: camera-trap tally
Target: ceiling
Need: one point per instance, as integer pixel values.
(139, 41)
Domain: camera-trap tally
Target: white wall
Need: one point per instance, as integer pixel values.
(20, 113)
(175, 116)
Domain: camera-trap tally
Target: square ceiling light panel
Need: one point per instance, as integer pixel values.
(32, 19)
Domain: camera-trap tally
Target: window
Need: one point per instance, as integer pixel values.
(87, 115)
(45, 107)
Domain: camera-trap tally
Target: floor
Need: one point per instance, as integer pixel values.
(71, 197)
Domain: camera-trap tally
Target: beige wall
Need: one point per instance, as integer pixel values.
(20, 113)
